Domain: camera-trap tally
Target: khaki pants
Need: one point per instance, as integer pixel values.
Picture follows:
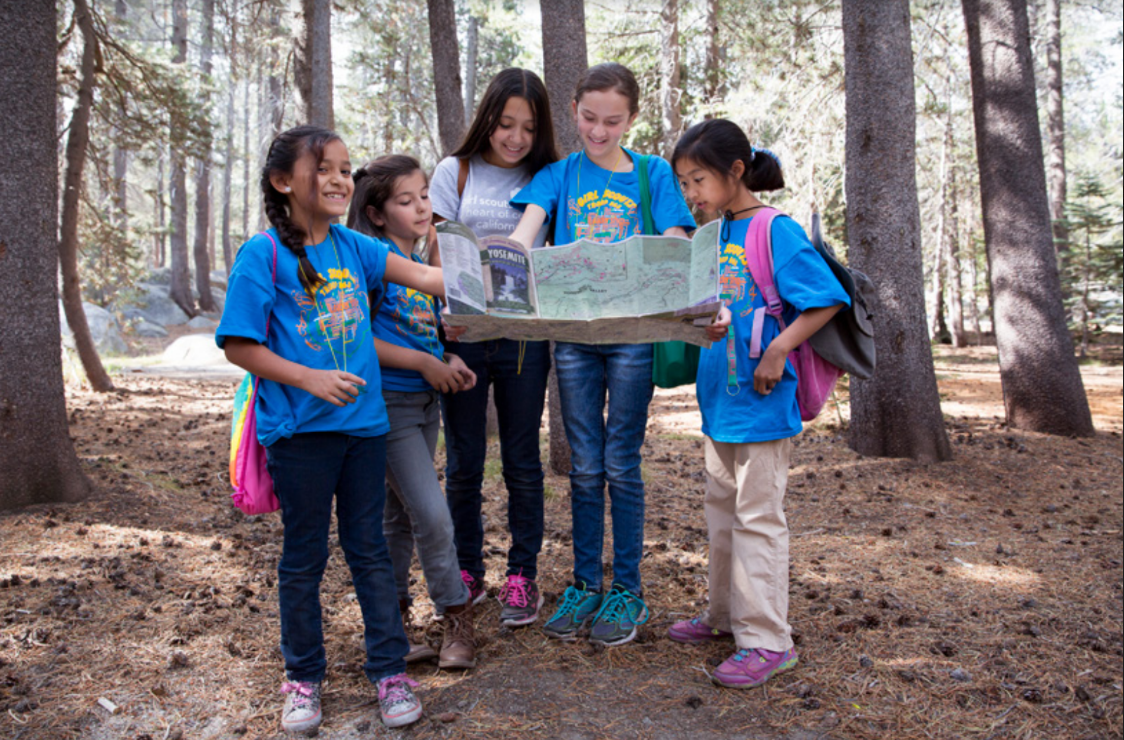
(745, 485)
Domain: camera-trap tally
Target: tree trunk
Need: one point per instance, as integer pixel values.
(564, 59)
(77, 141)
(160, 245)
(470, 69)
(1042, 388)
(953, 277)
(712, 73)
(227, 181)
(180, 290)
(446, 72)
(276, 86)
(247, 154)
(120, 154)
(1055, 129)
(38, 464)
(203, 176)
(559, 445)
(312, 61)
(897, 413)
(938, 330)
(671, 121)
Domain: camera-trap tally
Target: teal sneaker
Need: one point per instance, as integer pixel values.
(621, 613)
(577, 607)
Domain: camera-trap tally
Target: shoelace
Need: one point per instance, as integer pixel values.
(459, 624)
(396, 689)
(304, 691)
(571, 599)
(514, 592)
(469, 581)
(616, 606)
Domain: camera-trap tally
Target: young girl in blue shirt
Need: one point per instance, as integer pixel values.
(297, 315)
(748, 405)
(595, 194)
(392, 202)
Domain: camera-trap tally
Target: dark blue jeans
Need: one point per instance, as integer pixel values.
(520, 389)
(605, 448)
(307, 470)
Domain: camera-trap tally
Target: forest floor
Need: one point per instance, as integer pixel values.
(979, 598)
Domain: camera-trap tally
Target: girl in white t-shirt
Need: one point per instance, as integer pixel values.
(510, 139)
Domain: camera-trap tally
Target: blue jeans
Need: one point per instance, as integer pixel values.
(307, 469)
(520, 390)
(415, 506)
(606, 450)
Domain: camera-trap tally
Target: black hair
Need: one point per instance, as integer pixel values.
(374, 186)
(610, 76)
(284, 151)
(717, 144)
(512, 83)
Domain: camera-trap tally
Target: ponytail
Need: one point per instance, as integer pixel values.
(717, 144)
(284, 151)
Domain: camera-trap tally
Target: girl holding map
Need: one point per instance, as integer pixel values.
(510, 139)
(595, 194)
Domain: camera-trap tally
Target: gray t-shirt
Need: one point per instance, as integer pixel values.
(486, 205)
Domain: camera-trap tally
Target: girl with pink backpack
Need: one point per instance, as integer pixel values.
(748, 398)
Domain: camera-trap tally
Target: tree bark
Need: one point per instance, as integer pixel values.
(160, 245)
(203, 175)
(247, 155)
(1055, 129)
(312, 61)
(670, 118)
(227, 181)
(713, 73)
(564, 59)
(77, 142)
(38, 464)
(446, 72)
(559, 452)
(953, 277)
(1042, 388)
(180, 290)
(471, 45)
(120, 154)
(897, 413)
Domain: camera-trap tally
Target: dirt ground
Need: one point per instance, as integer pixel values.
(979, 598)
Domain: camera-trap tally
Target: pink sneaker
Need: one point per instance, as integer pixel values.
(695, 631)
(748, 668)
(476, 590)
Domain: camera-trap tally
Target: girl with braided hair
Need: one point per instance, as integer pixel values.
(298, 316)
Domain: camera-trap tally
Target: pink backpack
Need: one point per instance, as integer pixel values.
(253, 486)
(815, 376)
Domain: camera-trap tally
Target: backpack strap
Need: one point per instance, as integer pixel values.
(648, 223)
(462, 176)
(759, 260)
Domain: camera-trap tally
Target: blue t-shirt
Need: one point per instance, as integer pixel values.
(407, 318)
(587, 201)
(737, 413)
(326, 331)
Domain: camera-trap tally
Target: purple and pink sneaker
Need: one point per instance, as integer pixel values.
(752, 667)
(476, 590)
(695, 631)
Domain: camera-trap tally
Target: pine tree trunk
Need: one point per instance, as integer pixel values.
(247, 154)
(446, 72)
(559, 451)
(955, 287)
(276, 86)
(180, 290)
(897, 413)
(120, 154)
(160, 245)
(1042, 388)
(203, 176)
(312, 61)
(471, 44)
(564, 59)
(1055, 129)
(713, 71)
(38, 464)
(671, 121)
(77, 142)
(227, 181)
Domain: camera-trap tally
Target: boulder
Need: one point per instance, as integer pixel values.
(103, 330)
(202, 322)
(144, 328)
(154, 305)
(218, 279)
(194, 350)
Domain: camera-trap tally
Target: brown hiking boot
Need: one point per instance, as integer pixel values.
(416, 652)
(458, 648)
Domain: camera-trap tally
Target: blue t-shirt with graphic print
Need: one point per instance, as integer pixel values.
(407, 318)
(328, 330)
(589, 202)
(732, 411)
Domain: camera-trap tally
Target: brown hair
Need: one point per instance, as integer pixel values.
(610, 76)
(374, 186)
(512, 83)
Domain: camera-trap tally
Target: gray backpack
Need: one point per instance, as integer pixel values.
(847, 341)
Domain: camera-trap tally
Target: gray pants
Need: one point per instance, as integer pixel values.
(416, 511)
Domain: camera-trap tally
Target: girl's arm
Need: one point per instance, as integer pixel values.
(533, 218)
(676, 231)
(437, 373)
(771, 367)
(334, 386)
(414, 275)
